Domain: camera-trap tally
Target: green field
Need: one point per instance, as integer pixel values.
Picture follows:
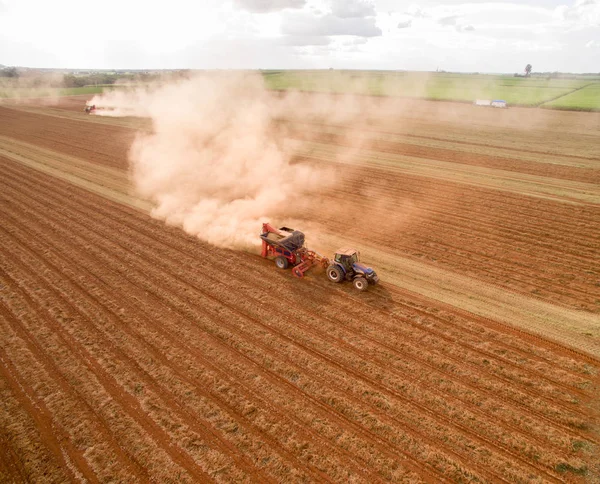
(586, 99)
(533, 91)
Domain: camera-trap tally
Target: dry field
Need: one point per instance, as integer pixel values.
(131, 351)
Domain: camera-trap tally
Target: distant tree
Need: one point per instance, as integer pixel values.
(528, 70)
(9, 72)
(69, 80)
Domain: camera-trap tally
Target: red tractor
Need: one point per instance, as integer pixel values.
(287, 246)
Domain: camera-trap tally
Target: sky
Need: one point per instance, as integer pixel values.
(476, 36)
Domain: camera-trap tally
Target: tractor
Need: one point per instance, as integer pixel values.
(346, 265)
(286, 245)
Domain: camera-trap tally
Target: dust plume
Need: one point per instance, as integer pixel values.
(31, 86)
(127, 101)
(215, 162)
(225, 154)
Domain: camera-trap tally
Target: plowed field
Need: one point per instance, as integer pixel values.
(131, 351)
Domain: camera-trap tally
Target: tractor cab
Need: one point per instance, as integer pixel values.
(347, 257)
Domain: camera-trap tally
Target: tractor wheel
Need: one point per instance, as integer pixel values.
(281, 262)
(335, 274)
(361, 283)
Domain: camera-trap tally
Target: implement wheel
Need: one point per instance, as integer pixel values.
(361, 283)
(282, 262)
(335, 274)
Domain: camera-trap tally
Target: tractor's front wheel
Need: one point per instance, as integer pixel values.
(281, 262)
(335, 273)
(361, 283)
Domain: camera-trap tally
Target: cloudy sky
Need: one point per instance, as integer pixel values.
(484, 36)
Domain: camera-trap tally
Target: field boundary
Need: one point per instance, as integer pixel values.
(564, 108)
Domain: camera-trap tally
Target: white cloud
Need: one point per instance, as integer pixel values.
(593, 44)
(448, 20)
(299, 40)
(405, 24)
(304, 23)
(415, 11)
(355, 41)
(266, 6)
(583, 14)
(352, 8)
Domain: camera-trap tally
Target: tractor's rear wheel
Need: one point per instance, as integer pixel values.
(361, 283)
(335, 274)
(281, 262)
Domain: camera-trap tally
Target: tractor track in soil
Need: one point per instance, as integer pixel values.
(103, 144)
(102, 426)
(116, 392)
(506, 329)
(511, 401)
(406, 134)
(11, 466)
(521, 334)
(53, 437)
(567, 406)
(439, 154)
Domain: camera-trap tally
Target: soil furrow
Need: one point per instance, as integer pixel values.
(128, 401)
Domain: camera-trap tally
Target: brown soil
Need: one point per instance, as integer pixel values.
(132, 351)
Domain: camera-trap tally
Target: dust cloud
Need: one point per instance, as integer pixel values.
(41, 88)
(215, 163)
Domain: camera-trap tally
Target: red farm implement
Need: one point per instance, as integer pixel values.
(287, 246)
